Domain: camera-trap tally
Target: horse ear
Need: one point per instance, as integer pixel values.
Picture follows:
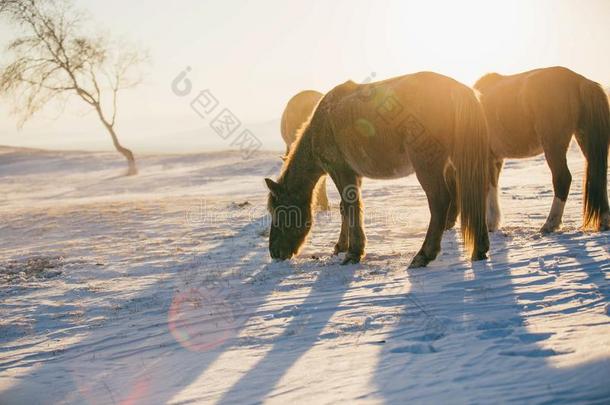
(283, 158)
(273, 187)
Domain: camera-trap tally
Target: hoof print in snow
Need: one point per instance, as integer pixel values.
(531, 353)
(429, 337)
(38, 267)
(534, 337)
(418, 348)
(495, 334)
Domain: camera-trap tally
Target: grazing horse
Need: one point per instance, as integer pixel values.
(539, 111)
(297, 112)
(424, 123)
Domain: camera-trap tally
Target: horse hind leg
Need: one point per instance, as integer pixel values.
(439, 200)
(321, 201)
(555, 150)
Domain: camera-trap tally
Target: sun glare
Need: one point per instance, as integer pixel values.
(461, 39)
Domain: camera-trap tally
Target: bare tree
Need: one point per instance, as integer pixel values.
(55, 56)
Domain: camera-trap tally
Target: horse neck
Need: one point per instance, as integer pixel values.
(302, 171)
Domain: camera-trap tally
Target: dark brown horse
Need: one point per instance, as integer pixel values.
(424, 123)
(539, 111)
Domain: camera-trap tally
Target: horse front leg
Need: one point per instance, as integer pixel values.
(555, 153)
(343, 243)
(352, 229)
(321, 200)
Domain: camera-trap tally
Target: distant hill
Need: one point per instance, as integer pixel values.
(197, 140)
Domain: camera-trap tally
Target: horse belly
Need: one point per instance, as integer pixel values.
(390, 170)
(378, 161)
(512, 132)
(516, 144)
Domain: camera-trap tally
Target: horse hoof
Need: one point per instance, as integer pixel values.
(479, 256)
(418, 262)
(351, 259)
(548, 229)
(339, 249)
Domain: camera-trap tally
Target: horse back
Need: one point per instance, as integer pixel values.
(524, 108)
(380, 127)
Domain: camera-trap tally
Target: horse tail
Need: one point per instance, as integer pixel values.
(470, 158)
(594, 136)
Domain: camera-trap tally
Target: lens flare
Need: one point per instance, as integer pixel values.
(364, 127)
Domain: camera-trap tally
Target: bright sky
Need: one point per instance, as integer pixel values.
(254, 55)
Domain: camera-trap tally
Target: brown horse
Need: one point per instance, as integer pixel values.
(296, 114)
(539, 111)
(424, 123)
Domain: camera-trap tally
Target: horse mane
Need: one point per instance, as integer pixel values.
(321, 109)
(487, 80)
(298, 137)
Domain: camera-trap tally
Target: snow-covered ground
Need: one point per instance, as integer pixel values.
(159, 288)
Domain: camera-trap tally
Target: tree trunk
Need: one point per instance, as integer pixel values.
(131, 161)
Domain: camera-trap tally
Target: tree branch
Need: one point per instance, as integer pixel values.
(54, 57)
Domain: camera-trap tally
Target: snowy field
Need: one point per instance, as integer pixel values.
(159, 289)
